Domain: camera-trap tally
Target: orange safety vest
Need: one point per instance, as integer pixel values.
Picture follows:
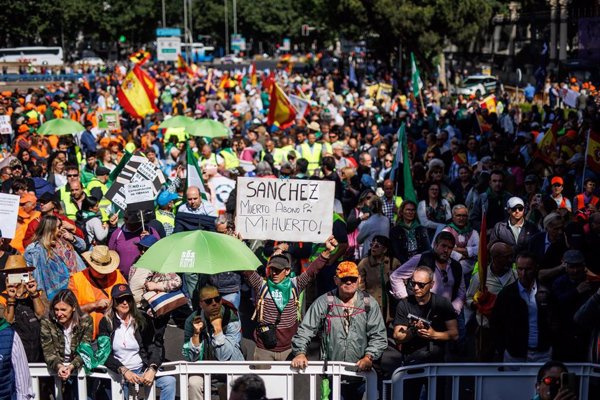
(580, 200)
(81, 285)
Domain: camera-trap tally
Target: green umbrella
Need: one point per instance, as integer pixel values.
(60, 127)
(208, 128)
(199, 252)
(176, 122)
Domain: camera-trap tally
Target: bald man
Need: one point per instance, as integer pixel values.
(500, 274)
(194, 213)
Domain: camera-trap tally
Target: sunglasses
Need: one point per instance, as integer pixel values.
(556, 185)
(550, 380)
(517, 208)
(216, 299)
(420, 285)
(349, 280)
(444, 275)
(73, 176)
(123, 299)
(276, 271)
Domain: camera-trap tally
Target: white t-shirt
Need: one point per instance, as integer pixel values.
(125, 347)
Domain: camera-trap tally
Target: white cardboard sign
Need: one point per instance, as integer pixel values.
(139, 192)
(291, 210)
(9, 209)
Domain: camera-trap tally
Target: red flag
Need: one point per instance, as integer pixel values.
(281, 112)
(547, 146)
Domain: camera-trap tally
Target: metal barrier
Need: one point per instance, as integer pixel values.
(279, 377)
(485, 381)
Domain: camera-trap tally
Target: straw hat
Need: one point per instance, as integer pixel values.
(102, 260)
(16, 264)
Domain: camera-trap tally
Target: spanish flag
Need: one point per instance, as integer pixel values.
(183, 67)
(593, 151)
(139, 57)
(135, 95)
(489, 103)
(547, 146)
(253, 79)
(281, 111)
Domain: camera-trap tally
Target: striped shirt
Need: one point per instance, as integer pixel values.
(23, 384)
(288, 322)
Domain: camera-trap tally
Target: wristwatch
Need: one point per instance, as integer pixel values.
(154, 367)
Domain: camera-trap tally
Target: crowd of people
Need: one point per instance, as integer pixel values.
(401, 272)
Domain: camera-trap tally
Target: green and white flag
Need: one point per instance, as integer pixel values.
(194, 176)
(417, 83)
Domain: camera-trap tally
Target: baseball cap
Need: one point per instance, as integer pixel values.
(345, 269)
(557, 180)
(102, 171)
(165, 197)
(280, 261)
(120, 290)
(573, 257)
(514, 201)
(531, 178)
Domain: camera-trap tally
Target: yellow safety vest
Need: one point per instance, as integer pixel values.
(286, 150)
(210, 160)
(312, 155)
(231, 160)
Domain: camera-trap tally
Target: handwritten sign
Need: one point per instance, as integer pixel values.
(109, 120)
(9, 209)
(5, 126)
(290, 210)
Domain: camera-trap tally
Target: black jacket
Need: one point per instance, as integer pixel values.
(510, 321)
(149, 339)
(399, 242)
(503, 233)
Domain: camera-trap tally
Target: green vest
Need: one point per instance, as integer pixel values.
(70, 209)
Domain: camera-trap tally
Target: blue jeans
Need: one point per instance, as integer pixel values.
(166, 384)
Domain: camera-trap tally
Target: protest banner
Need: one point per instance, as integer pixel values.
(290, 210)
(137, 169)
(5, 126)
(140, 195)
(9, 209)
(109, 120)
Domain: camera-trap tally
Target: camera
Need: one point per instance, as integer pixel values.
(413, 319)
(15, 279)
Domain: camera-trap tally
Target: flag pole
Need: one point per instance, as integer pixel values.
(587, 148)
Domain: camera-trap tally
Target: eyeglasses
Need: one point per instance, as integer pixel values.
(517, 208)
(550, 380)
(462, 215)
(216, 299)
(349, 280)
(420, 285)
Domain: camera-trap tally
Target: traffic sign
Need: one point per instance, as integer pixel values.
(167, 48)
(168, 32)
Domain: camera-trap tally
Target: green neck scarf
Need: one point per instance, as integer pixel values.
(462, 231)
(3, 324)
(280, 292)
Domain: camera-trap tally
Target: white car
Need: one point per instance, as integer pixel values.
(478, 85)
(231, 59)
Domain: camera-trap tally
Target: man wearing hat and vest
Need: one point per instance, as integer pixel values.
(351, 325)
(93, 285)
(311, 150)
(22, 304)
(557, 187)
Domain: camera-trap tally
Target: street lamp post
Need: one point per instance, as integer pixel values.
(226, 29)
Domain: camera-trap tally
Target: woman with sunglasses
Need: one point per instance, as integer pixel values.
(136, 347)
(375, 272)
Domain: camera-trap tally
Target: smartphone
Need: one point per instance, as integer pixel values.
(568, 380)
(537, 198)
(15, 279)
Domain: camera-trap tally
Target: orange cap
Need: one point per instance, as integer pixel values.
(557, 179)
(23, 128)
(345, 269)
(54, 104)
